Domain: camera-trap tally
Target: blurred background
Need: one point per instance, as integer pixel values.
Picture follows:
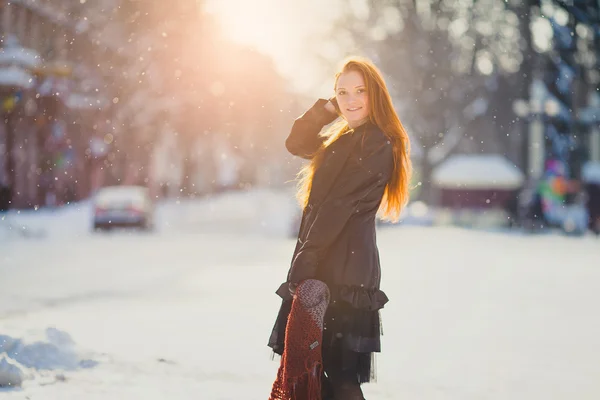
(189, 98)
(171, 116)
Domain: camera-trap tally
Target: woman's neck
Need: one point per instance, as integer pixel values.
(356, 124)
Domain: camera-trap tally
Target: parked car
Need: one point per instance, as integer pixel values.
(123, 206)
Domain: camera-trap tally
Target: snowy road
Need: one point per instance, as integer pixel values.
(186, 315)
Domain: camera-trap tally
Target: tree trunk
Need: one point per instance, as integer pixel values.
(527, 67)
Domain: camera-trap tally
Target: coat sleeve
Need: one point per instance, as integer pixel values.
(304, 139)
(352, 188)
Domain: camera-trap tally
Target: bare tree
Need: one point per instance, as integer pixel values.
(446, 64)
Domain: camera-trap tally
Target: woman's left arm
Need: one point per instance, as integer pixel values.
(374, 168)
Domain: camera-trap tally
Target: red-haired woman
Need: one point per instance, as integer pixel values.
(359, 169)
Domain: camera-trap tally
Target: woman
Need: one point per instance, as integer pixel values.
(359, 168)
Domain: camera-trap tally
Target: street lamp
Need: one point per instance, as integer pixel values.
(552, 108)
(520, 108)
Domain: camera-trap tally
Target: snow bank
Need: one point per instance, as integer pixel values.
(474, 171)
(12, 373)
(27, 58)
(15, 76)
(258, 211)
(591, 172)
(20, 359)
(66, 221)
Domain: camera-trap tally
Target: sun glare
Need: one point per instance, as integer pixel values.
(255, 23)
(281, 29)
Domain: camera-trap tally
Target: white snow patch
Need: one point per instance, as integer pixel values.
(474, 171)
(591, 172)
(67, 221)
(55, 352)
(15, 76)
(12, 373)
(27, 58)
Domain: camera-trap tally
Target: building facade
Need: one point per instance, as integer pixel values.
(55, 91)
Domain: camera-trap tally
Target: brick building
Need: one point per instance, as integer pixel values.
(56, 68)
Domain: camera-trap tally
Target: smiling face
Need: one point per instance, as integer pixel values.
(351, 95)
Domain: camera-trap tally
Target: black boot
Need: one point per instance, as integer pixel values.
(326, 388)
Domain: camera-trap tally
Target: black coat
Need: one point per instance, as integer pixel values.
(337, 241)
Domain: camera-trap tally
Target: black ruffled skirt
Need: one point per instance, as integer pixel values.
(352, 330)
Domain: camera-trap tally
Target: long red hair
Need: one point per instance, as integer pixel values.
(382, 114)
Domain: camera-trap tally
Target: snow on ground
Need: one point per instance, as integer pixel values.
(264, 211)
(185, 313)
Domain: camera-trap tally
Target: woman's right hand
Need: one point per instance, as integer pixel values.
(292, 288)
(330, 107)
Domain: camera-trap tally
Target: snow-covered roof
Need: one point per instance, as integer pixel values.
(15, 76)
(591, 172)
(21, 56)
(477, 171)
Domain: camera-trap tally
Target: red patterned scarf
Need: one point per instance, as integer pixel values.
(301, 368)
